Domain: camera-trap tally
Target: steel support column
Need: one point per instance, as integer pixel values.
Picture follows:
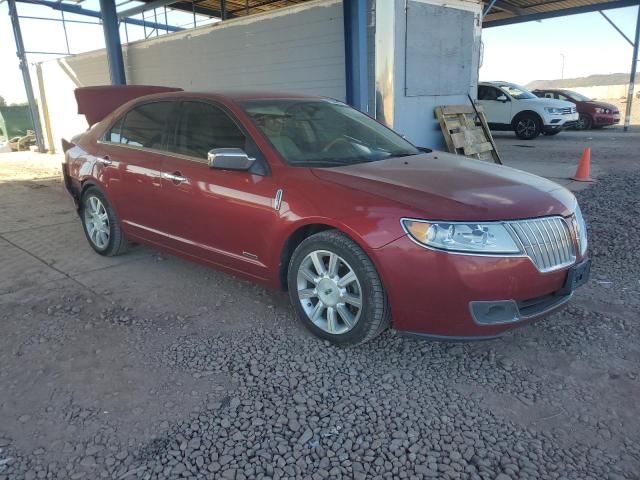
(112, 41)
(632, 78)
(355, 40)
(24, 67)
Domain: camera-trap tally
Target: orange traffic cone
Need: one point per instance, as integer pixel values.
(582, 173)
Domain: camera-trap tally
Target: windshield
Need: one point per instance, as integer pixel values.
(323, 133)
(578, 97)
(517, 92)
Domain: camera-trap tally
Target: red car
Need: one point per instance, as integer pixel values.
(303, 193)
(593, 113)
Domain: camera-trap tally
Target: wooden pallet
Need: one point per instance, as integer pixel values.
(466, 132)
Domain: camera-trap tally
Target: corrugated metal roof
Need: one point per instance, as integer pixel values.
(232, 8)
(505, 12)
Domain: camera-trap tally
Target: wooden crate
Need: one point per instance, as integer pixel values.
(466, 132)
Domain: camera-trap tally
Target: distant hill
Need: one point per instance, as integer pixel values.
(590, 81)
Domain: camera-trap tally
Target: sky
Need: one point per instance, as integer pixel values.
(531, 51)
(518, 53)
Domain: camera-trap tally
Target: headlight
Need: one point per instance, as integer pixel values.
(489, 238)
(581, 230)
(553, 110)
(599, 110)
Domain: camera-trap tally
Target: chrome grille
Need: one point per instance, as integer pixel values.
(568, 110)
(547, 242)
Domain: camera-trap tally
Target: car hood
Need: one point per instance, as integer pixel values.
(548, 102)
(442, 186)
(595, 103)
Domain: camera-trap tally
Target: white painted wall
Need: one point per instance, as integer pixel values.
(295, 49)
(602, 92)
(298, 48)
(412, 114)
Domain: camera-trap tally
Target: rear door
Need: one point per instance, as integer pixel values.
(222, 216)
(498, 112)
(132, 152)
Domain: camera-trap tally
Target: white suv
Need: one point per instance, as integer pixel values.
(508, 106)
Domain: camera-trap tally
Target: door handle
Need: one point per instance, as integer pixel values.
(106, 160)
(175, 177)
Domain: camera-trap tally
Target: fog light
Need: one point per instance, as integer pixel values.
(491, 313)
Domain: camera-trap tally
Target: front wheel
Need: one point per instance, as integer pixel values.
(336, 290)
(527, 127)
(584, 122)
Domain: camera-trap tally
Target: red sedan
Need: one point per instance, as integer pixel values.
(593, 113)
(303, 193)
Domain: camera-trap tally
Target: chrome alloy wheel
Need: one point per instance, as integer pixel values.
(329, 292)
(96, 222)
(526, 127)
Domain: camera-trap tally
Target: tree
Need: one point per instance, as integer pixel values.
(2, 102)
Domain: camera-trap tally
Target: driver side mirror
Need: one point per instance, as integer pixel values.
(502, 98)
(229, 159)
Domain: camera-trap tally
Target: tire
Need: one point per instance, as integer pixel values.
(584, 122)
(342, 313)
(527, 126)
(101, 224)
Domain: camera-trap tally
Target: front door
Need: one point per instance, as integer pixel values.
(498, 112)
(220, 215)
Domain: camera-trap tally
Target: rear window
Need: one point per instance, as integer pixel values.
(144, 126)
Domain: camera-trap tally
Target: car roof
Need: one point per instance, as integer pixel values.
(234, 95)
(551, 90)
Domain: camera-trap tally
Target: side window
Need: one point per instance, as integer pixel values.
(203, 127)
(488, 93)
(113, 135)
(144, 126)
(559, 96)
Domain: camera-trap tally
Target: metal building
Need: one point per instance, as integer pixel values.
(395, 59)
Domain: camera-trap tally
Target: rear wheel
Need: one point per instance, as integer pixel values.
(336, 290)
(527, 126)
(101, 224)
(584, 122)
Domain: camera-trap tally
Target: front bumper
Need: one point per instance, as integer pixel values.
(604, 119)
(435, 293)
(556, 121)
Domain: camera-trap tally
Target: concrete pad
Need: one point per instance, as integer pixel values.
(21, 270)
(65, 247)
(28, 204)
(557, 157)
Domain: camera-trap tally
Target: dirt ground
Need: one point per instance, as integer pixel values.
(147, 366)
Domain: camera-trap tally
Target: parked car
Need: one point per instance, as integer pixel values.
(593, 113)
(364, 229)
(508, 106)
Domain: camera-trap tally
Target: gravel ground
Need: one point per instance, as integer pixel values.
(95, 387)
